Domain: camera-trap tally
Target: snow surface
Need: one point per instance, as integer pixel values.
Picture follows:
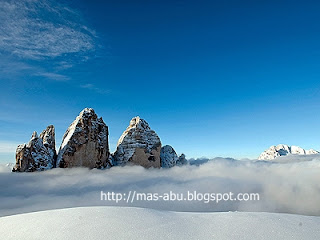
(138, 223)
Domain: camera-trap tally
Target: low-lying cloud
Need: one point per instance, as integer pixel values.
(291, 187)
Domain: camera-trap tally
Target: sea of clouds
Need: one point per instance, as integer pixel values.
(291, 187)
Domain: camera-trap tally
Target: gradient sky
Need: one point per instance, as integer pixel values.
(212, 78)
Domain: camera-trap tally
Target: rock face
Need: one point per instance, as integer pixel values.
(138, 145)
(85, 143)
(39, 154)
(283, 150)
(169, 157)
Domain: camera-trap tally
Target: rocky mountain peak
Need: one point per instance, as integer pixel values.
(138, 144)
(34, 135)
(87, 112)
(169, 157)
(139, 123)
(85, 143)
(48, 136)
(37, 154)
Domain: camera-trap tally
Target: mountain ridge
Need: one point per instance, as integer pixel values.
(85, 144)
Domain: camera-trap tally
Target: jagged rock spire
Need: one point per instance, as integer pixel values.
(37, 155)
(49, 141)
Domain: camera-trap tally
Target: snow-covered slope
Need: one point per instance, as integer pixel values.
(283, 150)
(137, 223)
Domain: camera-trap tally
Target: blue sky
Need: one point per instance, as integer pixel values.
(212, 78)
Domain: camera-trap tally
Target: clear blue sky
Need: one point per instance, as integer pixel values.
(212, 78)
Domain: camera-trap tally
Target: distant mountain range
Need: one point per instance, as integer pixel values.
(284, 150)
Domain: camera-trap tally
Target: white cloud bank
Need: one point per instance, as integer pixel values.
(288, 187)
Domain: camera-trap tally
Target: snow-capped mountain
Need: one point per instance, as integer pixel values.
(283, 150)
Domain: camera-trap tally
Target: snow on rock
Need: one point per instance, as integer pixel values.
(85, 143)
(39, 154)
(138, 223)
(169, 157)
(311, 151)
(138, 145)
(49, 141)
(283, 150)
